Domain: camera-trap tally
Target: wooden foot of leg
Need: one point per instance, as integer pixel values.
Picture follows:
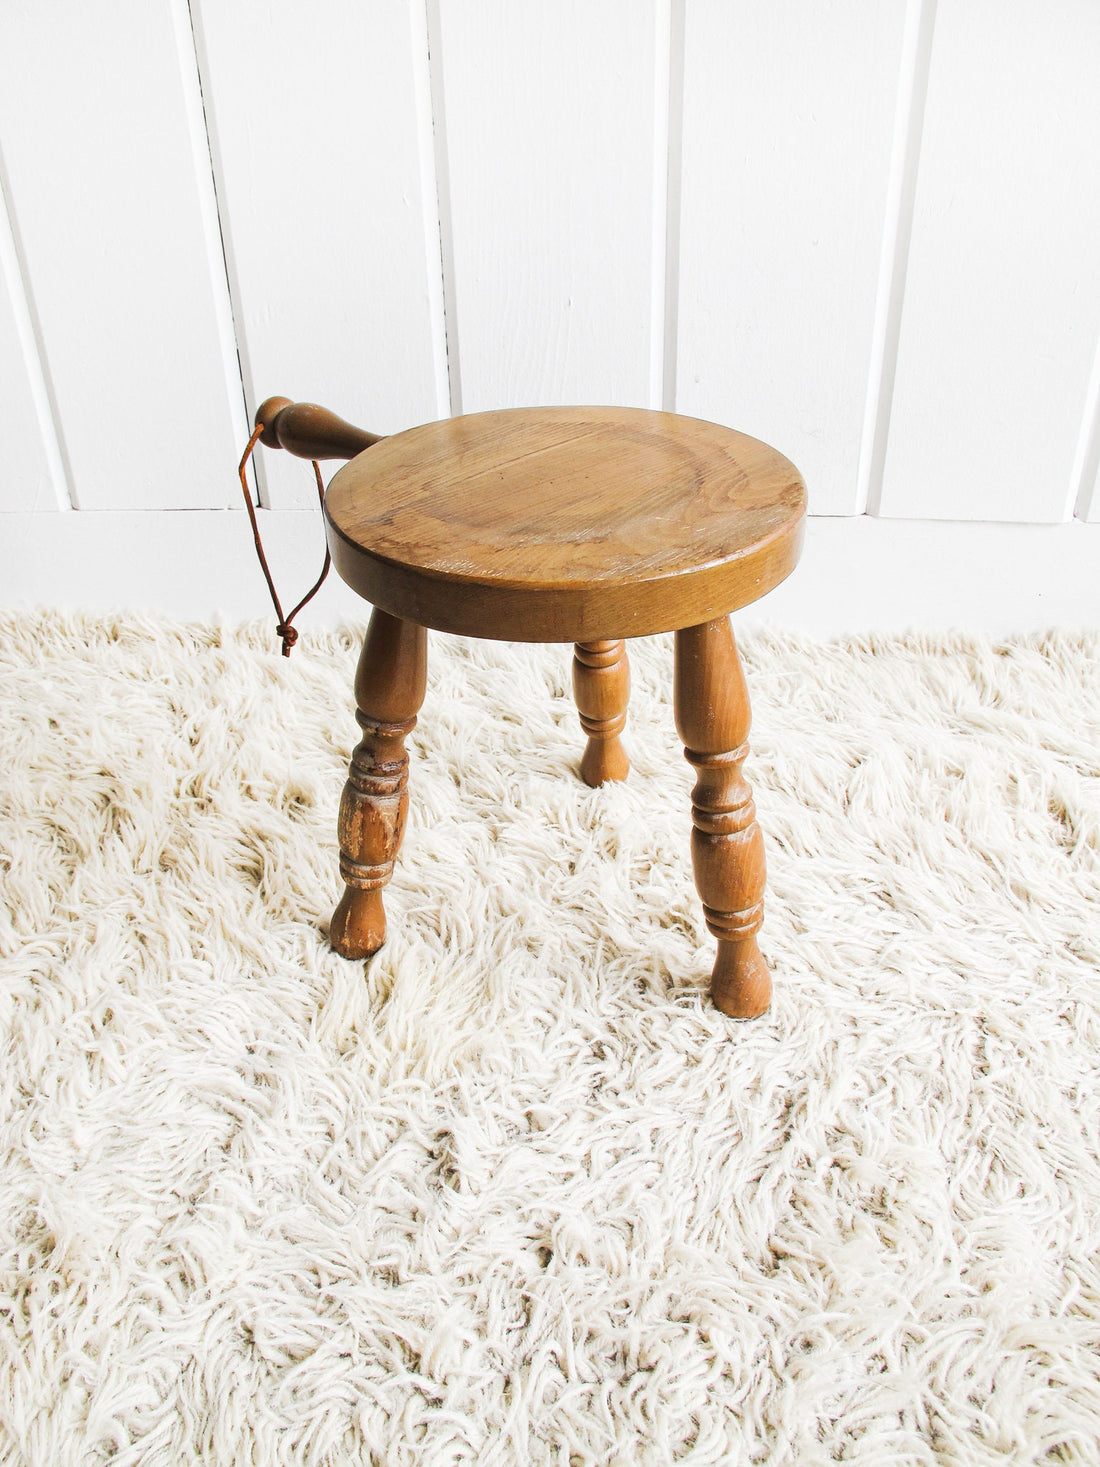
(601, 687)
(389, 689)
(727, 847)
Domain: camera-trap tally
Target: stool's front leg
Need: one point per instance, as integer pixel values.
(727, 847)
(601, 688)
(389, 689)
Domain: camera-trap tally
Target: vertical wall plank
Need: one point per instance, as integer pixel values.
(788, 120)
(31, 473)
(1085, 477)
(916, 59)
(670, 160)
(100, 150)
(1002, 299)
(549, 126)
(322, 140)
(1089, 507)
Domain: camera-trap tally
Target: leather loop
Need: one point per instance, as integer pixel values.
(286, 631)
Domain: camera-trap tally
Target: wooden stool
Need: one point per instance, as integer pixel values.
(583, 525)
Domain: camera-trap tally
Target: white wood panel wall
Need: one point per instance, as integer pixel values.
(787, 131)
(112, 200)
(1002, 297)
(321, 131)
(32, 477)
(548, 112)
(1087, 466)
(865, 230)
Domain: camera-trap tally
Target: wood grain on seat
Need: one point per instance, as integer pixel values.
(567, 524)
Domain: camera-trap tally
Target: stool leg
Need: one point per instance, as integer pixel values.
(727, 847)
(389, 689)
(601, 687)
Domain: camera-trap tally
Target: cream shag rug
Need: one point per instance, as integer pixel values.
(514, 1192)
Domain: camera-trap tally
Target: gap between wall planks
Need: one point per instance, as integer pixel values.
(912, 93)
(34, 476)
(1086, 464)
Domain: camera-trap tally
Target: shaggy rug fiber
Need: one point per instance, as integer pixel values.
(513, 1192)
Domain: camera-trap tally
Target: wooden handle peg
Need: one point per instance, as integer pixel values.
(309, 431)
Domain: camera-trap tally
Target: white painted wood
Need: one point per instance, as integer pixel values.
(664, 189)
(1002, 300)
(321, 130)
(210, 222)
(549, 114)
(916, 59)
(1085, 477)
(97, 129)
(856, 574)
(673, 164)
(431, 142)
(32, 476)
(788, 117)
(897, 575)
(433, 35)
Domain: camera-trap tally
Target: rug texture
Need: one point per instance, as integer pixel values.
(513, 1191)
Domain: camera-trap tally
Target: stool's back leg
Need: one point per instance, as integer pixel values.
(601, 687)
(389, 689)
(727, 847)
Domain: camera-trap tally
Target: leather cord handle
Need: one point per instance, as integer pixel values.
(309, 431)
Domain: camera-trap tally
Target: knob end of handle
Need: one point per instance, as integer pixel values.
(266, 414)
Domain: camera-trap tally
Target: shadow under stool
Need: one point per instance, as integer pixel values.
(587, 525)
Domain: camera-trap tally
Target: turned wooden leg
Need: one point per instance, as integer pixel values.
(389, 689)
(727, 847)
(601, 687)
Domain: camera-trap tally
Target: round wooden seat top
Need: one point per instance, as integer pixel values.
(565, 524)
